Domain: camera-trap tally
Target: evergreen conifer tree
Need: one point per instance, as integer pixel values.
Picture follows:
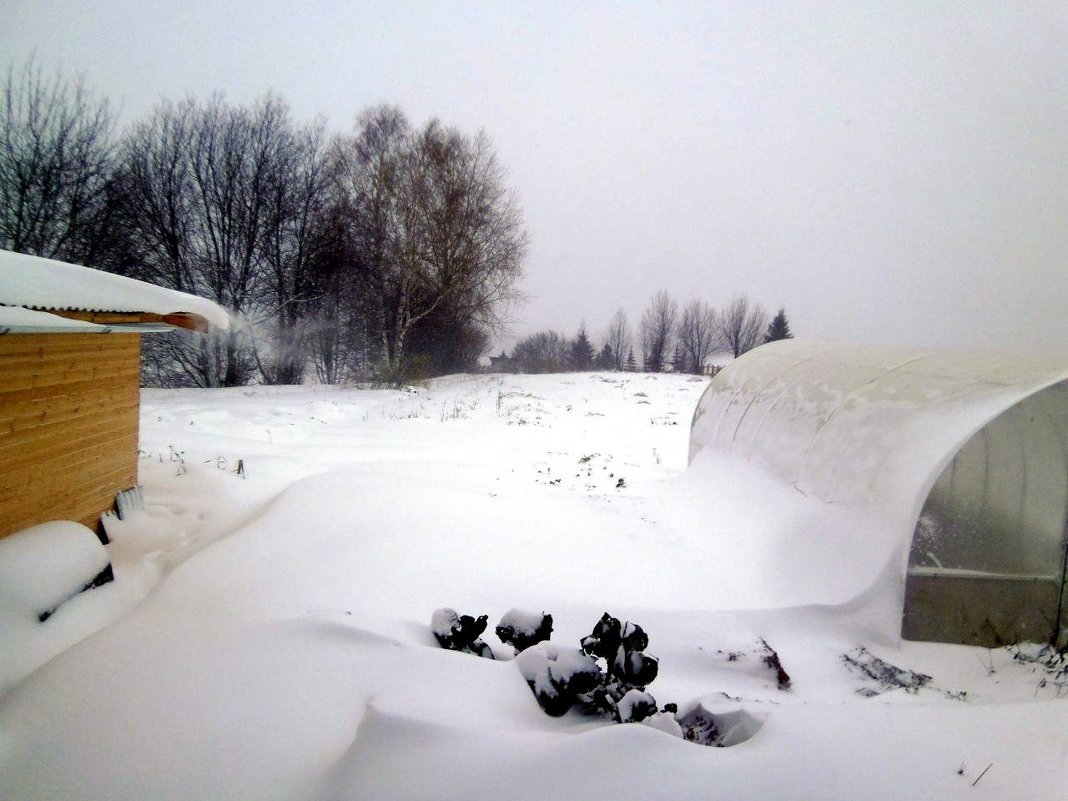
(606, 359)
(581, 351)
(632, 365)
(778, 328)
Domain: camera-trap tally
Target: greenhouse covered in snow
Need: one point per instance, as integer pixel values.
(966, 452)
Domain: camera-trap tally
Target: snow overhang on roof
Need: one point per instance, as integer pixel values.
(19, 320)
(100, 300)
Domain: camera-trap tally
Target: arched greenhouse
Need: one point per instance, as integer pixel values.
(966, 452)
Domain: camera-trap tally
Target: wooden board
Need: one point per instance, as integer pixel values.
(69, 406)
(194, 322)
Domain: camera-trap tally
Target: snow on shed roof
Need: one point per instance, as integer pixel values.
(862, 425)
(33, 282)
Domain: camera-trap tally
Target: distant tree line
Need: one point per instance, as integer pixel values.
(666, 340)
(388, 252)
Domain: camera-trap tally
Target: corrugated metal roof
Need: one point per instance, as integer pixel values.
(19, 320)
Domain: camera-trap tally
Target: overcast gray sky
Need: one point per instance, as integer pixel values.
(888, 171)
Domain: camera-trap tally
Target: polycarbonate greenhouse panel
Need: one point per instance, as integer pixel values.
(969, 451)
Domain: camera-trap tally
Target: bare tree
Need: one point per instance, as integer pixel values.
(618, 339)
(367, 189)
(658, 331)
(196, 183)
(468, 237)
(297, 196)
(698, 335)
(391, 246)
(155, 182)
(339, 342)
(440, 240)
(56, 154)
(544, 352)
(742, 325)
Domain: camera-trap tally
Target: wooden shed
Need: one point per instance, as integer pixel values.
(70, 349)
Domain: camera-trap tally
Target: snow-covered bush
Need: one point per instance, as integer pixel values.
(627, 667)
(522, 629)
(562, 678)
(558, 677)
(607, 675)
(635, 706)
(460, 632)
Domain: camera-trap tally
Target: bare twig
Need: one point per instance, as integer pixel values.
(981, 775)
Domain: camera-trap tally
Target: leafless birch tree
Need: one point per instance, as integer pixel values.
(698, 335)
(658, 331)
(742, 325)
(442, 238)
(618, 338)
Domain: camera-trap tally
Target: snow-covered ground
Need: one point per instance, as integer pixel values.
(267, 635)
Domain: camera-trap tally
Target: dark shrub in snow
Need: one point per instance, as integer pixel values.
(771, 659)
(562, 678)
(635, 668)
(885, 675)
(605, 640)
(566, 678)
(521, 629)
(634, 637)
(636, 706)
(621, 646)
(558, 677)
(460, 632)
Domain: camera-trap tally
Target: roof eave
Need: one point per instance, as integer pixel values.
(113, 319)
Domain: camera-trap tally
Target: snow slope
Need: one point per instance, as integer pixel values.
(283, 651)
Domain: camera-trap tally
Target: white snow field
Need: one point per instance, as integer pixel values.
(268, 633)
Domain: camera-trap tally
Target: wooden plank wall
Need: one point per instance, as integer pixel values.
(68, 425)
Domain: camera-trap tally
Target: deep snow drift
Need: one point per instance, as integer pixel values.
(283, 647)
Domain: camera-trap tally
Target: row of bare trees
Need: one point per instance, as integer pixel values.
(551, 352)
(384, 252)
(685, 341)
(666, 339)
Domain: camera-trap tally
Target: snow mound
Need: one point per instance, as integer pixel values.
(43, 610)
(282, 649)
(43, 566)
